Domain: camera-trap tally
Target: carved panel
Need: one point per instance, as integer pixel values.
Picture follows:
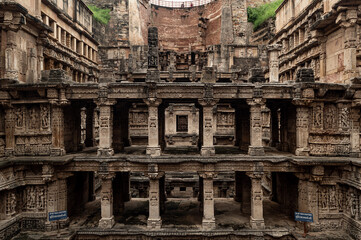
(11, 203)
(138, 124)
(34, 198)
(225, 125)
(329, 145)
(32, 145)
(330, 121)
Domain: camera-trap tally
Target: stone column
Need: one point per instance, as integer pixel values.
(153, 147)
(208, 221)
(349, 24)
(55, 30)
(9, 131)
(256, 221)
(107, 220)
(154, 219)
(60, 34)
(56, 198)
(57, 127)
(256, 147)
(274, 62)
(12, 62)
(302, 123)
(105, 128)
(323, 41)
(307, 197)
(208, 127)
(355, 132)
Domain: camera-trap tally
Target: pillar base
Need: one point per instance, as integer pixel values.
(255, 151)
(302, 152)
(208, 151)
(208, 224)
(257, 223)
(105, 152)
(106, 222)
(153, 151)
(154, 223)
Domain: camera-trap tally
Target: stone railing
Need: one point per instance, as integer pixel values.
(180, 3)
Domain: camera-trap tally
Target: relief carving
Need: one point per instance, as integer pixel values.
(34, 198)
(10, 203)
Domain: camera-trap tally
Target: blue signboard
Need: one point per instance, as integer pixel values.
(54, 216)
(303, 217)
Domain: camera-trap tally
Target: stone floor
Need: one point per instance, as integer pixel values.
(183, 215)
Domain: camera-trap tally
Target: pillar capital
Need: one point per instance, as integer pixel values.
(256, 102)
(208, 102)
(207, 175)
(153, 102)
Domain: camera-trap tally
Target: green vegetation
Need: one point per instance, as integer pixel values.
(262, 13)
(101, 15)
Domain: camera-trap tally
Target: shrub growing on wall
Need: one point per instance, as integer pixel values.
(100, 14)
(262, 13)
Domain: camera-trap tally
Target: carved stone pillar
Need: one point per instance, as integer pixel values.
(355, 132)
(153, 147)
(302, 131)
(105, 128)
(208, 221)
(9, 131)
(256, 221)
(57, 148)
(256, 147)
(208, 127)
(323, 59)
(307, 197)
(12, 62)
(274, 62)
(349, 24)
(56, 199)
(154, 219)
(107, 220)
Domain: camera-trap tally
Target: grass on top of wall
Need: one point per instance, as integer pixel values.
(262, 13)
(100, 14)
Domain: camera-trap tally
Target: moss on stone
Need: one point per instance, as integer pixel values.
(262, 13)
(100, 14)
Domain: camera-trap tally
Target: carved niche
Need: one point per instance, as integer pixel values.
(225, 125)
(181, 125)
(32, 129)
(138, 124)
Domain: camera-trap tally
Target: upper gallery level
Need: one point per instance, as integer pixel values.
(320, 35)
(38, 36)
